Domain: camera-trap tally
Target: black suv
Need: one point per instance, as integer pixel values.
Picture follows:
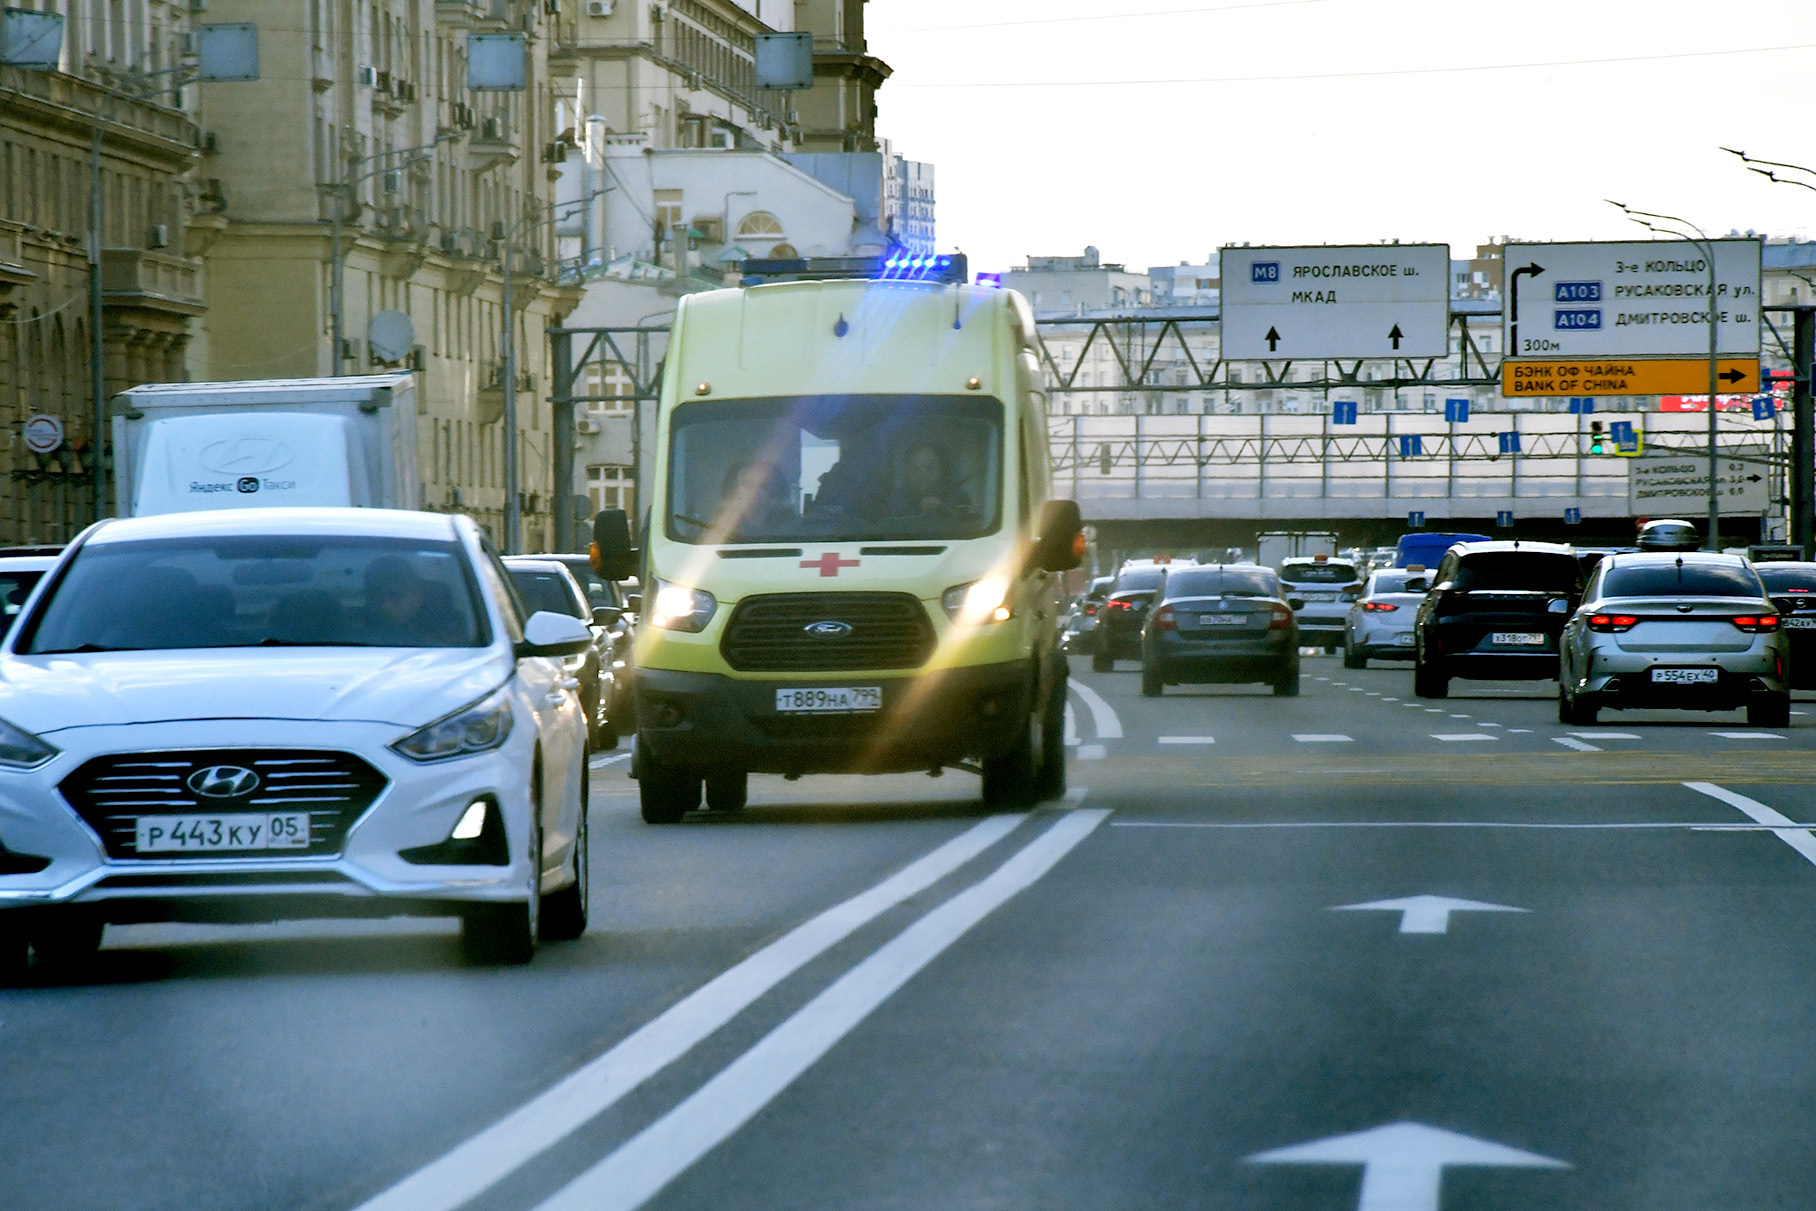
(1495, 611)
(1124, 611)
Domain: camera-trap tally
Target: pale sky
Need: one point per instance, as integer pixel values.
(1278, 129)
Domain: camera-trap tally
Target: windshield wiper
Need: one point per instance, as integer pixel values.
(87, 647)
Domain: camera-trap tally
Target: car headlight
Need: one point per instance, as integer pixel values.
(19, 749)
(679, 608)
(477, 728)
(978, 602)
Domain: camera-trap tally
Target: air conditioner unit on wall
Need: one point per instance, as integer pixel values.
(586, 424)
(598, 8)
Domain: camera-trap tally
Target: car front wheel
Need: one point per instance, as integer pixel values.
(564, 911)
(665, 792)
(1429, 680)
(505, 935)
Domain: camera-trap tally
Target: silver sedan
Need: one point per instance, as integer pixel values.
(1379, 626)
(1691, 631)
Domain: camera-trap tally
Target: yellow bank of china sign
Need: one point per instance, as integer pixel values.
(1627, 376)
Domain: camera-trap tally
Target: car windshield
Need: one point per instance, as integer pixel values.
(599, 591)
(1787, 578)
(545, 591)
(1318, 573)
(1536, 571)
(835, 468)
(1223, 582)
(1140, 580)
(1682, 579)
(15, 587)
(261, 591)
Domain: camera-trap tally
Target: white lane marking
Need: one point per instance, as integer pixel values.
(1800, 712)
(1488, 725)
(1376, 694)
(1356, 689)
(1455, 736)
(1519, 731)
(1748, 735)
(1578, 745)
(636, 1171)
(1606, 735)
(1071, 726)
(1322, 738)
(1459, 716)
(1188, 740)
(1090, 752)
(1075, 796)
(1434, 710)
(1799, 839)
(1103, 718)
(602, 762)
(1390, 700)
(1321, 678)
(1426, 914)
(1492, 824)
(1403, 1163)
(481, 1162)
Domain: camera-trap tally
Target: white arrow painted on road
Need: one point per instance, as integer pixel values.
(1426, 914)
(1402, 1163)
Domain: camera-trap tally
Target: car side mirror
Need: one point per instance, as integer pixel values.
(1784, 605)
(1444, 586)
(1295, 604)
(1059, 539)
(1558, 606)
(633, 603)
(607, 616)
(550, 634)
(611, 554)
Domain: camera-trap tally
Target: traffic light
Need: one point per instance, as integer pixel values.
(1595, 437)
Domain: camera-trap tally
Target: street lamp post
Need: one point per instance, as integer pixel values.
(1707, 248)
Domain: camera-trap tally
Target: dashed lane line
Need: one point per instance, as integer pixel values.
(1606, 735)
(1188, 740)
(1103, 716)
(1322, 738)
(1456, 736)
(1578, 745)
(1748, 735)
(459, 1176)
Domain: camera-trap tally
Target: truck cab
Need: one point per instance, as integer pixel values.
(850, 559)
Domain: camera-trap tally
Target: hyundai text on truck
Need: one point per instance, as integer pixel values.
(850, 560)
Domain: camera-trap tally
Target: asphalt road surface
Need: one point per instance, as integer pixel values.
(1346, 950)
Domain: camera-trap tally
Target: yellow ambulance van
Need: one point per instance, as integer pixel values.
(850, 556)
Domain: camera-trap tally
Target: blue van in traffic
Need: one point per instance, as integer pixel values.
(1428, 549)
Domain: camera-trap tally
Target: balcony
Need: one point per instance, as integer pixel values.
(12, 259)
(492, 143)
(133, 277)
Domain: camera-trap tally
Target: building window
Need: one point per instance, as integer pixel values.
(611, 487)
(668, 209)
(609, 387)
(759, 225)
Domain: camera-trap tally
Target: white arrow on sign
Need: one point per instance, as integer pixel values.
(1402, 1163)
(1426, 914)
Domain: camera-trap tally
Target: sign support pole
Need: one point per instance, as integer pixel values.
(1714, 382)
(1803, 431)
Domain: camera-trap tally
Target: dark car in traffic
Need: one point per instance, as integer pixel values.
(1120, 619)
(1220, 624)
(545, 583)
(1792, 587)
(617, 614)
(1494, 612)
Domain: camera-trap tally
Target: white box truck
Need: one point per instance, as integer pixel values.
(180, 447)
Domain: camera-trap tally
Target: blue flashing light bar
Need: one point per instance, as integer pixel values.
(992, 280)
(898, 266)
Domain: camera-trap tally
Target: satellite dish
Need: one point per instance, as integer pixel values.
(390, 335)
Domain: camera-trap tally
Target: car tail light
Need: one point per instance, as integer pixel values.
(1164, 620)
(1612, 622)
(1757, 622)
(1090, 610)
(1282, 619)
(1379, 607)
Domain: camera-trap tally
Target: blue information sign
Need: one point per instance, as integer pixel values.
(1510, 442)
(1764, 407)
(1343, 412)
(1415, 519)
(1411, 444)
(1573, 517)
(1580, 404)
(1504, 518)
(1456, 411)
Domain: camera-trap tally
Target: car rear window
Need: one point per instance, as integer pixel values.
(1223, 582)
(1319, 573)
(1682, 580)
(1395, 582)
(15, 587)
(1779, 578)
(1143, 578)
(1545, 573)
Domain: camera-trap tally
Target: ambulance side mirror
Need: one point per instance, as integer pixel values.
(612, 555)
(1059, 541)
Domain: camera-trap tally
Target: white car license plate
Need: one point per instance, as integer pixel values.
(1223, 620)
(846, 700)
(1529, 639)
(1405, 639)
(1800, 624)
(1316, 596)
(207, 834)
(1686, 676)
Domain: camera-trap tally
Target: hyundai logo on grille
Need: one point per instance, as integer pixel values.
(223, 781)
(828, 629)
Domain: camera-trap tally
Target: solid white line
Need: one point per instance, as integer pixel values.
(482, 1161)
(602, 762)
(1799, 839)
(1578, 745)
(1461, 736)
(634, 1173)
(1188, 740)
(1071, 725)
(1232, 824)
(1323, 738)
(1103, 718)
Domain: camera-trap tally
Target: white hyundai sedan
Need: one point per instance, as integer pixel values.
(265, 714)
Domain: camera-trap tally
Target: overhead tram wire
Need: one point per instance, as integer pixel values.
(1165, 12)
(1361, 75)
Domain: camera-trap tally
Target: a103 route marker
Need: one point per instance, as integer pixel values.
(1629, 318)
(1335, 301)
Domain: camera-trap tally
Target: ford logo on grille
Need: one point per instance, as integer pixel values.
(828, 629)
(223, 781)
